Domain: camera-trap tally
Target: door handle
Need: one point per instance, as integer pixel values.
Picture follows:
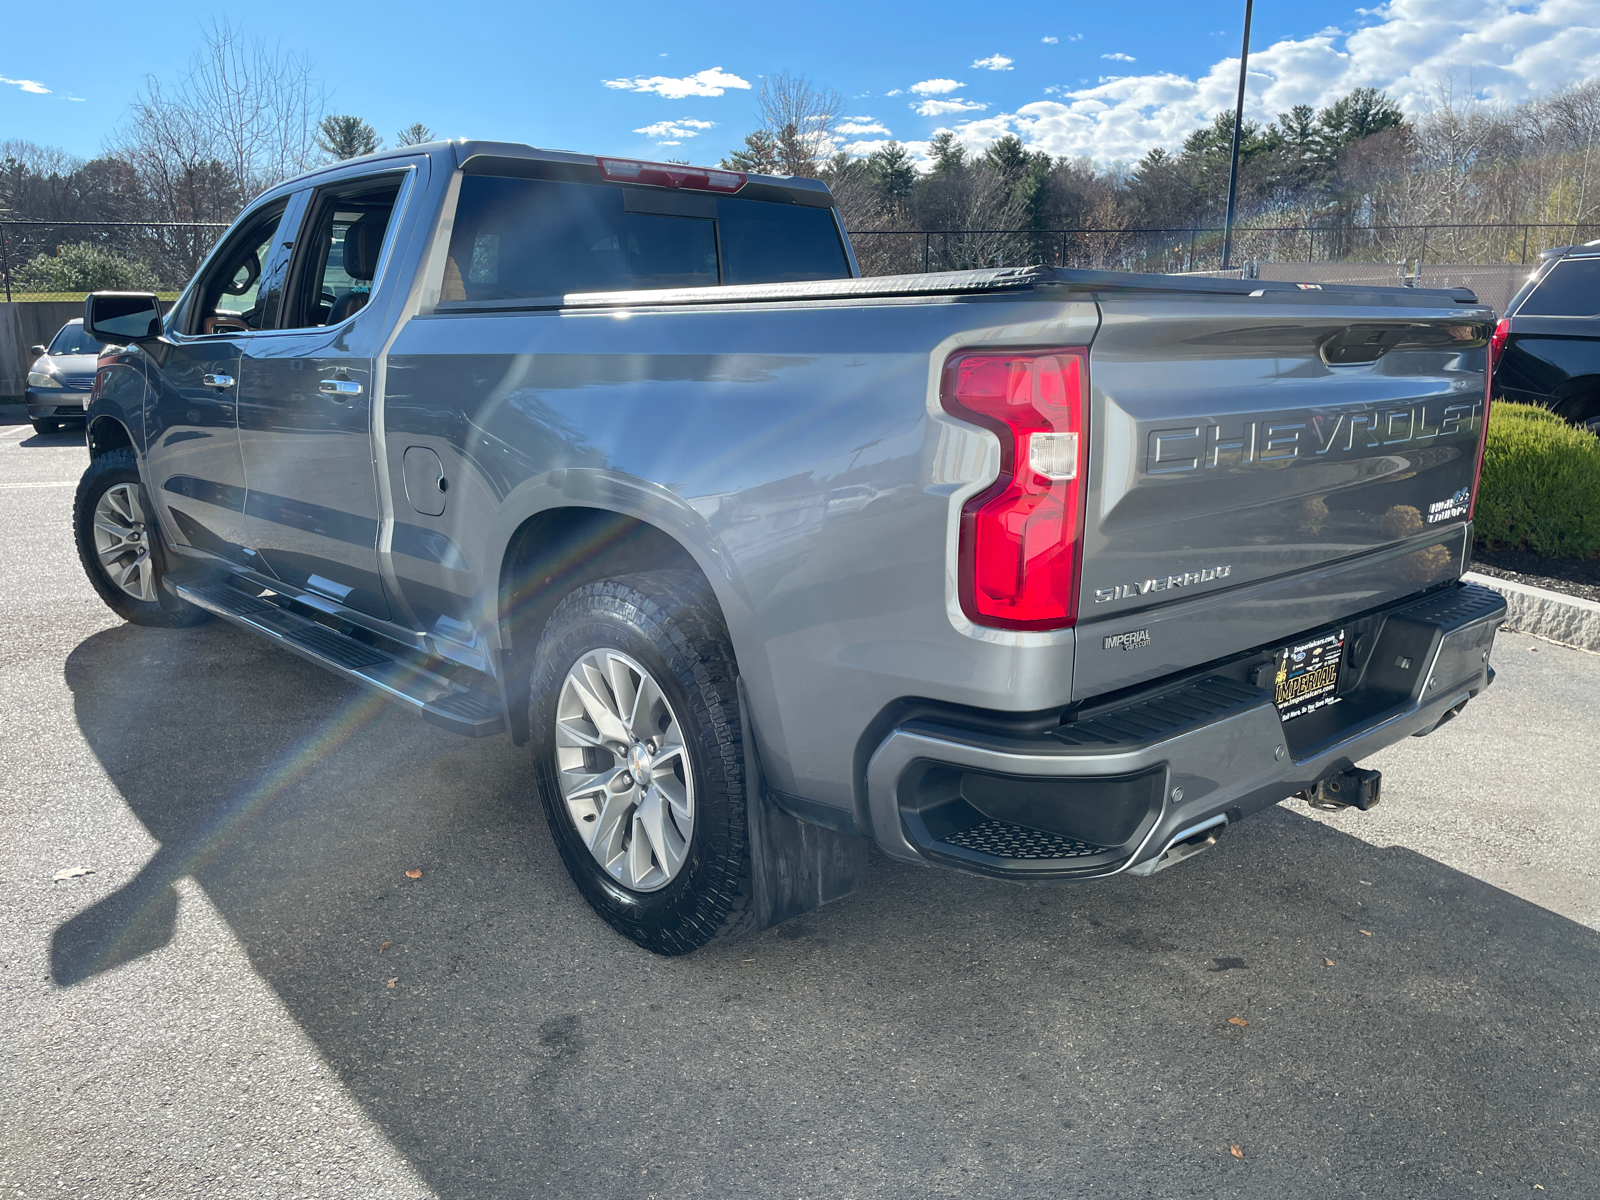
(339, 387)
(217, 381)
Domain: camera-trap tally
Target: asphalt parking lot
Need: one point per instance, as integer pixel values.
(249, 997)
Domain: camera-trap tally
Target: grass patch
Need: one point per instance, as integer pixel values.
(1541, 484)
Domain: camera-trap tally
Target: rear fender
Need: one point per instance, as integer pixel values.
(669, 513)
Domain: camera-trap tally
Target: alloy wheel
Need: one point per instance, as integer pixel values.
(122, 541)
(624, 771)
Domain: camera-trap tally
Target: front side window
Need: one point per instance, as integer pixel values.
(338, 254)
(1571, 289)
(529, 238)
(235, 295)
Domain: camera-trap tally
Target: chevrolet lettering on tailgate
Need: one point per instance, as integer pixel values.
(1194, 447)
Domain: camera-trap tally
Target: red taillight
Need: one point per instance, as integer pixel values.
(1497, 342)
(1483, 433)
(1020, 538)
(672, 175)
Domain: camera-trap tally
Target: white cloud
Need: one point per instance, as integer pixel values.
(1119, 56)
(27, 85)
(702, 83)
(934, 87)
(1501, 51)
(896, 92)
(1049, 41)
(937, 108)
(685, 128)
(917, 151)
(1077, 37)
(995, 62)
(856, 126)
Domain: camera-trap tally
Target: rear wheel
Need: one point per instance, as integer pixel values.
(119, 544)
(639, 761)
(1584, 413)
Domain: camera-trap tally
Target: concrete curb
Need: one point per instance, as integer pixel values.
(1564, 619)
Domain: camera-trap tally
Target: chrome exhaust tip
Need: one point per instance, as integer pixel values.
(1186, 843)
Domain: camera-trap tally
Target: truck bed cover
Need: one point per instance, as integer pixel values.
(1057, 280)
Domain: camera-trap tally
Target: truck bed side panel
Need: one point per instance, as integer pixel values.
(790, 448)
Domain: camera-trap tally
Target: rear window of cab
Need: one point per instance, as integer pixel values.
(524, 239)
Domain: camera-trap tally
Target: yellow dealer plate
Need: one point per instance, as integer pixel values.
(1308, 675)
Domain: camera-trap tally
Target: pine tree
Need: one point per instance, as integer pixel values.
(342, 137)
(892, 171)
(758, 155)
(947, 153)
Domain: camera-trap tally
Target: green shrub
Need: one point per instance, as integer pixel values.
(84, 267)
(1541, 484)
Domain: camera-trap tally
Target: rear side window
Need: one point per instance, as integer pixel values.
(531, 238)
(1571, 289)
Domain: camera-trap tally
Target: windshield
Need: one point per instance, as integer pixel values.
(73, 340)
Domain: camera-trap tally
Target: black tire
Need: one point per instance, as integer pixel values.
(668, 623)
(1584, 412)
(166, 611)
(45, 428)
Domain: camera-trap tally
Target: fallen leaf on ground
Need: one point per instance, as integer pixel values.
(71, 873)
(384, 947)
(1327, 962)
(1236, 1150)
(392, 982)
(1237, 1021)
(414, 873)
(1368, 932)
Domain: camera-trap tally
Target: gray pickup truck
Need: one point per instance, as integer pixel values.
(1041, 574)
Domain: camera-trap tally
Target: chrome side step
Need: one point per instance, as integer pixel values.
(440, 701)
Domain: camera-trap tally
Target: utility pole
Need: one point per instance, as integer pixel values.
(1238, 129)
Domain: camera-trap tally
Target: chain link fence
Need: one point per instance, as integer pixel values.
(65, 260)
(893, 252)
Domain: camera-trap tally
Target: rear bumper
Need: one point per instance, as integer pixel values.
(1110, 791)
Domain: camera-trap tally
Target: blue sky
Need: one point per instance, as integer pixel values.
(1115, 80)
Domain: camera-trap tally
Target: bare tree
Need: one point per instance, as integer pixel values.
(798, 131)
(242, 117)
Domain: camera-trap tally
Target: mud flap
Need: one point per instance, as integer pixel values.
(794, 866)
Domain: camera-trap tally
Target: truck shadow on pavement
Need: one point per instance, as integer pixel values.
(933, 1034)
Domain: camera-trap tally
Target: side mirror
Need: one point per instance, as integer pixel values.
(122, 317)
(37, 350)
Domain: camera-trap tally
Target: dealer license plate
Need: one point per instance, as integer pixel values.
(1308, 675)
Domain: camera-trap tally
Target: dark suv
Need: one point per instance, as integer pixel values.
(1547, 345)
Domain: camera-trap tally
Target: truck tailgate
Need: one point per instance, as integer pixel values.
(1261, 464)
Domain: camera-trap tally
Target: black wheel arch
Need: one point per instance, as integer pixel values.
(108, 433)
(552, 554)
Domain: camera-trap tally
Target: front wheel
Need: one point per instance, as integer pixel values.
(639, 759)
(45, 428)
(119, 544)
